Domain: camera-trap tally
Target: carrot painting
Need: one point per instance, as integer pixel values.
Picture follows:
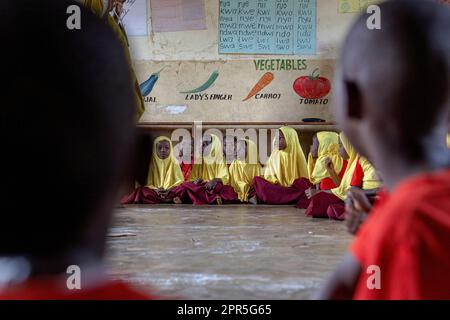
(265, 80)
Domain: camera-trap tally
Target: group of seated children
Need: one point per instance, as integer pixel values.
(230, 172)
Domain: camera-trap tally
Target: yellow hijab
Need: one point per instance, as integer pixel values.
(448, 140)
(370, 180)
(328, 148)
(165, 173)
(242, 172)
(213, 164)
(285, 166)
(345, 185)
(97, 7)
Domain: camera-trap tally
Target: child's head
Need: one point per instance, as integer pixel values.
(67, 131)
(207, 140)
(314, 150)
(229, 147)
(241, 150)
(393, 84)
(282, 144)
(186, 149)
(163, 149)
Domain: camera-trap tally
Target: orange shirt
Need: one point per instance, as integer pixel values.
(407, 235)
(47, 289)
(328, 183)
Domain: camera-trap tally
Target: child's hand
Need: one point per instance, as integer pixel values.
(161, 192)
(198, 181)
(357, 208)
(210, 185)
(311, 192)
(360, 200)
(119, 7)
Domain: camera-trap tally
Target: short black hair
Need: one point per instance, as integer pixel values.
(66, 124)
(414, 41)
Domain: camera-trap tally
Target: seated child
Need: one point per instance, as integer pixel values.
(244, 169)
(164, 177)
(285, 175)
(325, 165)
(209, 180)
(330, 203)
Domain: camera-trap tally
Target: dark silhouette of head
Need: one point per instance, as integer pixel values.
(393, 83)
(67, 129)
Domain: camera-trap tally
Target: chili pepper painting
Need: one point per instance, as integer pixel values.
(206, 85)
(265, 80)
(147, 86)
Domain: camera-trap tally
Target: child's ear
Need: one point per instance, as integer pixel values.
(354, 100)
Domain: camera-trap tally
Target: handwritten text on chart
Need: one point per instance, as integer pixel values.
(268, 27)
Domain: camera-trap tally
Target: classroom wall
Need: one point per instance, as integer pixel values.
(195, 54)
(202, 45)
(189, 57)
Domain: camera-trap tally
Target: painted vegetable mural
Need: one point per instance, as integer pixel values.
(265, 80)
(206, 85)
(313, 86)
(147, 86)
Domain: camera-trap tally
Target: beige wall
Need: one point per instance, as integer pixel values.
(191, 56)
(202, 45)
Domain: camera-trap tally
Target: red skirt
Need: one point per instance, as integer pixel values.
(198, 194)
(144, 195)
(275, 194)
(319, 204)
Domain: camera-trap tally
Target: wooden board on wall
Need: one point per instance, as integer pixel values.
(290, 90)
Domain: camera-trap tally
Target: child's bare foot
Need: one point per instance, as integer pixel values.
(177, 200)
(219, 201)
(253, 200)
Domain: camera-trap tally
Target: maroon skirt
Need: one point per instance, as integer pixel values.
(275, 194)
(198, 194)
(319, 204)
(145, 195)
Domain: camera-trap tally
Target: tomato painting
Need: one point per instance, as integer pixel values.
(313, 86)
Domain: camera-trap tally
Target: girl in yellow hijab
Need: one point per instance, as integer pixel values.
(285, 174)
(325, 165)
(164, 177)
(209, 180)
(243, 172)
(323, 202)
(103, 8)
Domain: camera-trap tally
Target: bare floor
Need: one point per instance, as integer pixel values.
(224, 252)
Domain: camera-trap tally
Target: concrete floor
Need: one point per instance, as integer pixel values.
(224, 252)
